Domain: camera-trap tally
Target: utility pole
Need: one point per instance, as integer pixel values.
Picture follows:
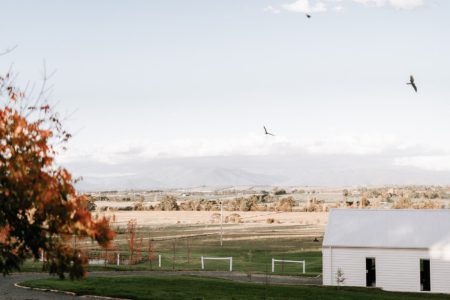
(173, 258)
(221, 225)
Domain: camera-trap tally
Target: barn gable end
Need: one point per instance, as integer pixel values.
(396, 240)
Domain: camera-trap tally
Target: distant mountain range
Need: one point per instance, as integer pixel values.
(283, 170)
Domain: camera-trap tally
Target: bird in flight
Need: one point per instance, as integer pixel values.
(266, 132)
(308, 16)
(412, 83)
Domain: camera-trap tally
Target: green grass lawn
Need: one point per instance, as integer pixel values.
(185, 287)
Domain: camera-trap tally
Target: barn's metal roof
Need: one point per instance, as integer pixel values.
(390, 228)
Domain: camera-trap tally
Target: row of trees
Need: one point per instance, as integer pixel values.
(251, 203)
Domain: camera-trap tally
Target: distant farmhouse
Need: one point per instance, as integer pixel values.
(396, 250)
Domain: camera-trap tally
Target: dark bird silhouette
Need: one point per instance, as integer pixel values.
(266, 132)
(316, 240)
(412, 83)
(308, 16)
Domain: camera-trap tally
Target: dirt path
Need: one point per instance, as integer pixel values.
(10, 292)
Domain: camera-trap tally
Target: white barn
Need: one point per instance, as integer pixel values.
(396, 250)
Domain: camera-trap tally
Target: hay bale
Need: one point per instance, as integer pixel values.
(233, 218)
(215, 218)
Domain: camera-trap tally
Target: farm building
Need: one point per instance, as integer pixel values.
(396, 250)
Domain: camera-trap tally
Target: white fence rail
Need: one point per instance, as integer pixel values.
(288, 261)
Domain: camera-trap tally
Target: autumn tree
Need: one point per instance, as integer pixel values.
(90, 205)
(135, 242)
(40, 211)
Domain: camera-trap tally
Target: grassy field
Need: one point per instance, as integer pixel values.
(215, 289)
(252, 249)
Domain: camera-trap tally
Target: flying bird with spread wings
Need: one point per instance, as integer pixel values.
(266, 132)
(412, 83)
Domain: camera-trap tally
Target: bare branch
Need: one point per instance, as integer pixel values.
(8, 50)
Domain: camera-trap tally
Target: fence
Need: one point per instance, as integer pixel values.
(175, 248)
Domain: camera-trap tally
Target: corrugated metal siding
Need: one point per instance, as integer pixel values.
(440, 276)
(396, 269)
(326, 267)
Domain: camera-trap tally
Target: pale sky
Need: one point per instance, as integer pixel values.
(200, 78)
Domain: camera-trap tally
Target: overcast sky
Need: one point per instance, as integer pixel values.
(150, 79)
